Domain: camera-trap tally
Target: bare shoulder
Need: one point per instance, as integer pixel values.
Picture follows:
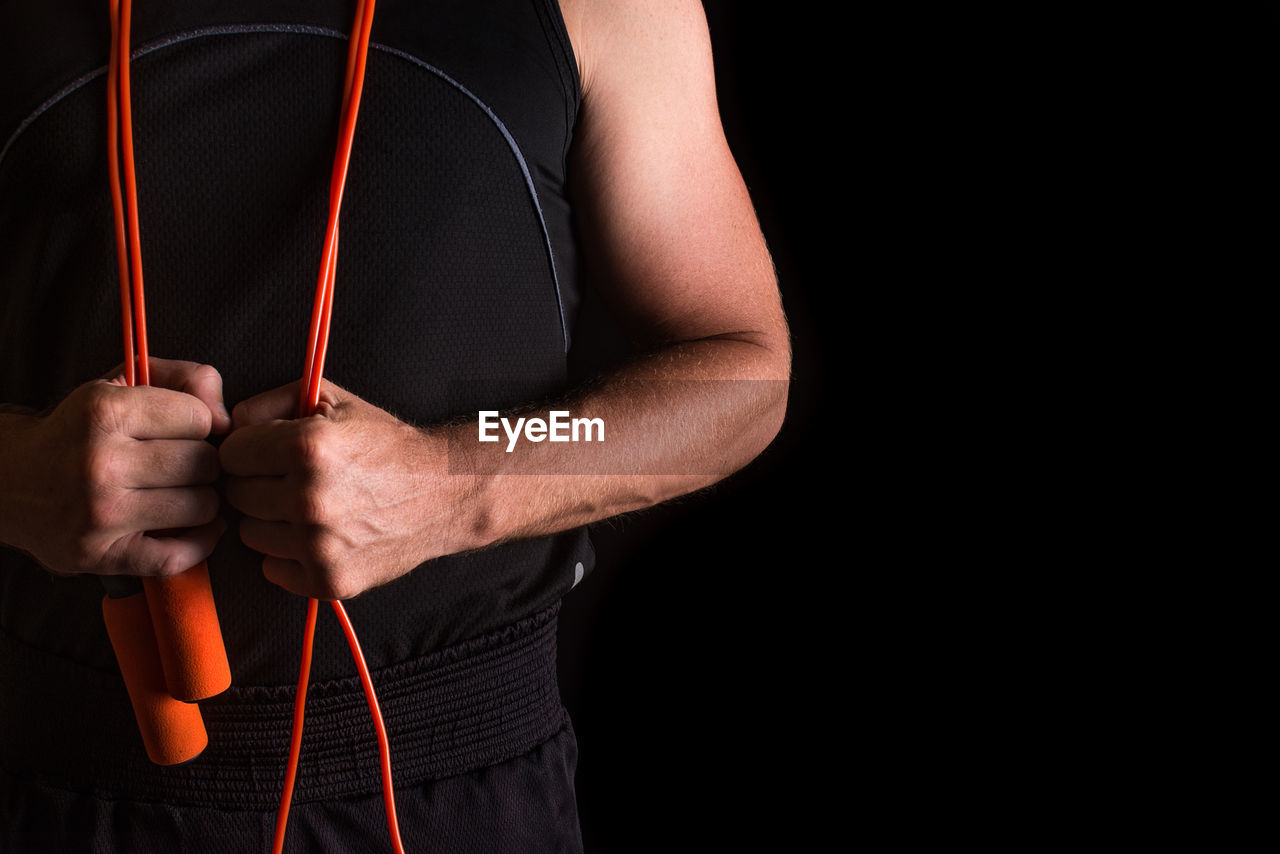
(665, 218)
(614, 36)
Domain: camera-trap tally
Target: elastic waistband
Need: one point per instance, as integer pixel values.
(465, 707)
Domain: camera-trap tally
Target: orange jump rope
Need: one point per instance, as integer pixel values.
(167, 639)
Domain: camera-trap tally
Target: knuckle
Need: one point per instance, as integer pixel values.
(207, 467)
(101, 465)
(102, 512)
(310, 445)
(201, 417)
(314, 443)
(325, 552)
(206, 505)
(315, 551)
(336, 586)
(343, 591)
(311, 506)
(103, 407)
(206, 375)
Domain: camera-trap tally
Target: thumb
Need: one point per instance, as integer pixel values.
(274, 405)
(332, 401)
(282, 404)
(200, 381)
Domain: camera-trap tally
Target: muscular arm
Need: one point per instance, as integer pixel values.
(668, 228)
(352, 498)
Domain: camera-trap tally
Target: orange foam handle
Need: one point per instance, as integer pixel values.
(188, 634)
(172, 731)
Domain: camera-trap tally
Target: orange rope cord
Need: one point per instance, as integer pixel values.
(295, 740)
(133, 314)
(117, 200)
(384, 746)
(322, 308)
(309, 399)
(131, 188)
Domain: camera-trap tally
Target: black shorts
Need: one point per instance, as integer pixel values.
(483, 760)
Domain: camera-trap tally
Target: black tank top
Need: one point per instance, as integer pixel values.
(457, 284)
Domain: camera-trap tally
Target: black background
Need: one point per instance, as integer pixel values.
(686, 657)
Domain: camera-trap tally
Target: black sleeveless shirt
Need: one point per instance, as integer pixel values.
(457, 284)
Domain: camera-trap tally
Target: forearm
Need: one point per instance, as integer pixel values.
(673, 422)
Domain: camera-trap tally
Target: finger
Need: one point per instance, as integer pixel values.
(287, 574)
(171, 462)
(147, 412)
(171, 507)
(305, 581)
(332, 398)
(279, 403)
(260, 449)
(277, 539)
(143, 554)
(200, 381)
(266, 498)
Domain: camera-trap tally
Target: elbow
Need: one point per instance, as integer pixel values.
(775, 412)
(776, 371)
(767, 375)
(769, 389)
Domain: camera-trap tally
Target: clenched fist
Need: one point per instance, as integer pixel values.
(343, 500)
(119, 480)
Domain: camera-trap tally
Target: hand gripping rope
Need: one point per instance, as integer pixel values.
(168, 643)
